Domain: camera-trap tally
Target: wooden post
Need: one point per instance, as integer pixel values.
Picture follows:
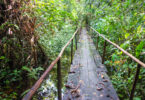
(59, 79)
(97, 42)
(71, 51)
(34, 88)
(135, 82)
(76, 40)
(104, 52)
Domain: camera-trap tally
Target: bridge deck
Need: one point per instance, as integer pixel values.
(87, 78)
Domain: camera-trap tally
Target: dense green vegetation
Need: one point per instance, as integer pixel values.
(32, 33)
(122, 21)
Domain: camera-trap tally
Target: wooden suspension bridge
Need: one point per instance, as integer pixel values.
(87, 78)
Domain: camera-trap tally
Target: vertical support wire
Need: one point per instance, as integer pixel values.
(104, 52)
(59, 79)
(71, 51)
(135, 82)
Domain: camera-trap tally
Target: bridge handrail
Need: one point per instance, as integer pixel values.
(121, 49)
(32, 91)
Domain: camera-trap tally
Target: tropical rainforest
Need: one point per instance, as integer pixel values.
(32, 33)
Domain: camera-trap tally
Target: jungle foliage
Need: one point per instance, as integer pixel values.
(32, 33)
(122, 21)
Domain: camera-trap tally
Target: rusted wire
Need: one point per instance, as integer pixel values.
(32, 91)
(124, 51)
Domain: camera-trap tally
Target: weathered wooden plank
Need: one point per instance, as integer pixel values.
(87, 79)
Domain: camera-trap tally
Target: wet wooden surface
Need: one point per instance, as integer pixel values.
(87, 78)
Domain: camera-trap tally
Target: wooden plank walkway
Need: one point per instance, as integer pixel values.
(87, 78)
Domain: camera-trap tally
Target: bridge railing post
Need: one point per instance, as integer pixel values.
(71, 51)
(76, 40)
(97, 42)
(59, 81)
(104, 52)
(135, 81)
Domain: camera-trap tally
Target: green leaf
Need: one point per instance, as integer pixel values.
(26, 68)
(24, 92)
(127, 35)
(139, 48)
(17, 27)
(139, 29)
(125, 45)
(2, 57)
(115, 57)
(136, 98)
